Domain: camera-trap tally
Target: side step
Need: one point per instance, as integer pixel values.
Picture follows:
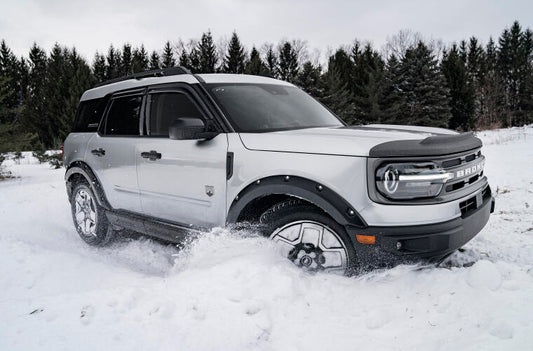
(148, 226)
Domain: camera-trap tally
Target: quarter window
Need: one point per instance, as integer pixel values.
(88, 115)
(123, 116)
(166, 108)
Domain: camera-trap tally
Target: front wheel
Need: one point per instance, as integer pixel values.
(309, 237)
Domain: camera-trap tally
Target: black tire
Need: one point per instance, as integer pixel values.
(294, 210)
(101, 233)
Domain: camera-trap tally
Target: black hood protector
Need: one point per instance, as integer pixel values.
(438, 145)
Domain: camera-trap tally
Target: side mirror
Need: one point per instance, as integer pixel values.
(186, 128)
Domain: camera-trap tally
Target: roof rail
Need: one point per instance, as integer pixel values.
(171, 71)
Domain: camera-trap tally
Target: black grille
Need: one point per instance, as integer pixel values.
(473, 203)
(458, 163)
(468, 205)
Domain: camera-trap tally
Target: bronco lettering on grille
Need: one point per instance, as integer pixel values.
(470, 170)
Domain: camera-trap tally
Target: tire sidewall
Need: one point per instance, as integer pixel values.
(102, 231)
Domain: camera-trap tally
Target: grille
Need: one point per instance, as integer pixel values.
(468, 205)
(467, 170)
(473, 202)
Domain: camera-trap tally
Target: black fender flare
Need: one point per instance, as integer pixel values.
(318, 194)
(83, 169)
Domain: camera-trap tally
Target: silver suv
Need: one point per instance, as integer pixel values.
(167, 153)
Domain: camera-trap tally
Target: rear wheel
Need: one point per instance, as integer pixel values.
(308, 237)
(89, 218)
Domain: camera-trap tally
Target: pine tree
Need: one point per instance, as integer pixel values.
(337, 97)
(206, 54)
(271, 62)
(344, 66)
(155, 62)
(194, 60)
(139, 60)
(255, 65)
(10, 87)
(184, 59)
(368, 76)
(113, 63)
(288, 62)
(309, 78)
(32, 115)
(475, 62)
(79, 80)
(514, 59)
(6, 94)
(126, 60)
(491, 92)
(234, 59)
(167, 60)
(392, 99)
(462, 98)
(424, 88)
(99, 68)
(526, 89)
(463, 50)
(56, 94)
(475, 65)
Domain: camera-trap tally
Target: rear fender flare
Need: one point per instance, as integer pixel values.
(82, 169)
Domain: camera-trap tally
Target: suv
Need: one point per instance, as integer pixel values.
(167, 152)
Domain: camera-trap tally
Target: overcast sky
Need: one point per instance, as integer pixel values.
(95, 24)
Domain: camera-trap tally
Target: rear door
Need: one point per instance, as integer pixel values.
(185, 182)
(111, 153)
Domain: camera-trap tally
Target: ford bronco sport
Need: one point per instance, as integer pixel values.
(168, 152)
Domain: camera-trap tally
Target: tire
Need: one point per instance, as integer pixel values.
(89, 218)
(309, 237)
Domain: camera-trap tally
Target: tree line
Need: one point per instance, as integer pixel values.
(464, 86)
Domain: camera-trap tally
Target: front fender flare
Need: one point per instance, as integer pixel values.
(318, 194)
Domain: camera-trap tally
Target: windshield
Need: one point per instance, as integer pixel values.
(269, 107)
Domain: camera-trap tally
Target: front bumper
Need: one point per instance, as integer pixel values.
(404, 244)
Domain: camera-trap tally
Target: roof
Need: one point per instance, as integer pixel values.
(240, 78)
(103, 90)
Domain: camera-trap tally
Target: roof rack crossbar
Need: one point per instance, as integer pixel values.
(171, 71)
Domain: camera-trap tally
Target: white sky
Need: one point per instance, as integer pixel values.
(94, 25)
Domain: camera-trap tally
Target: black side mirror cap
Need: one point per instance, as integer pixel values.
(186, 128)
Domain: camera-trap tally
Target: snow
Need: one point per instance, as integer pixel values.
(231, 290)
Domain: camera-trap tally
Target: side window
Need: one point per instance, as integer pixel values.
(166, 107)
(123, 116)
(88, 115)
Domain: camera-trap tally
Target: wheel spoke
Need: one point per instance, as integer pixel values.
(311, 234)
(312, 246)
(85, 213)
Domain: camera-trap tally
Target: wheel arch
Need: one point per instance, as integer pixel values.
(258, 196)
(79, 170)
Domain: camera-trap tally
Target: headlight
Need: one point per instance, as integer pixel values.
(405, 181)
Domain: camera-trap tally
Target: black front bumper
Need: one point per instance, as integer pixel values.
(404, 244)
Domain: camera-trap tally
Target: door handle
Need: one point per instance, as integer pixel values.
(98, 152)
(152, 155)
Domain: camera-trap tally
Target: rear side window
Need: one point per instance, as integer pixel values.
(166, 107)
(123, 116)
(88, 116)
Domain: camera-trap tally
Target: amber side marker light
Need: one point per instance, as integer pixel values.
(366, 239)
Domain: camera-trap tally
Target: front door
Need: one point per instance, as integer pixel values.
(182, 181)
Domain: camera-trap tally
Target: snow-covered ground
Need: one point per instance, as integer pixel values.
(232, 291)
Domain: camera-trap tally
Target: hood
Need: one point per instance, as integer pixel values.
(347, 141)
